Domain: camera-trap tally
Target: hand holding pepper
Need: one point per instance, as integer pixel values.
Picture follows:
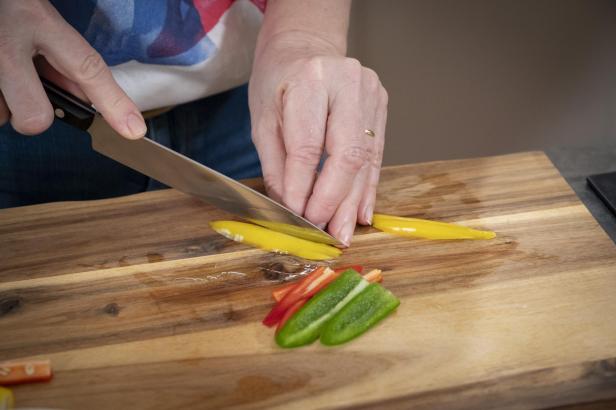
(307, 99)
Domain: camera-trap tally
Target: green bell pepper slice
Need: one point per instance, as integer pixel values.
(367, 309)
(305, 326)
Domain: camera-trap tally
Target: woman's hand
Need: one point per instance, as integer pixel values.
(34, 29)
(307, 99)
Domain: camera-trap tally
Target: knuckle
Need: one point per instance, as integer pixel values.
(351, 70)
(118, 101)
(313, 69)
(355, 157)
(91, 67)
(371, 78)
(375, 160)
(353, 66)
(327, 204)
(254, 137)
(307, 153)
(263, 128)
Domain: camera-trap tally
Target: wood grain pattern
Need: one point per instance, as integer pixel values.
(140, 305)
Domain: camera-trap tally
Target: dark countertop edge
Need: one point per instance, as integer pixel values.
(576, 164)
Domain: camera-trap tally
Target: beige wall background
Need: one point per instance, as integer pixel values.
(480, 77)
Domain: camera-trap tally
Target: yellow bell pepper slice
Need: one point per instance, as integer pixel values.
(422, 228)
(311, 235)
(7, 401)
(273, 241)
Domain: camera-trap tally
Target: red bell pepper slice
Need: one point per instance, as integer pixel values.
(304, 289)
(280, 292)
(24, 372)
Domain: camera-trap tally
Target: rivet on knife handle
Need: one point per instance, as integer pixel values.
(69, 108)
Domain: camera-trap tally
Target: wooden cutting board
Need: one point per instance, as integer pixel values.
(140, 305)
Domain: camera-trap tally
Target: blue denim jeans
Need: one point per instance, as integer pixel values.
(60, 165)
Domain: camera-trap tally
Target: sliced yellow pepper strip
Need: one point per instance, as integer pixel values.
(423, 228)
(273, 241)
(311, 235)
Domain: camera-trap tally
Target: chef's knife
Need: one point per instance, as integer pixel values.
(179, 172)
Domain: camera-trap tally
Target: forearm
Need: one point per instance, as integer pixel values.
(326, 21)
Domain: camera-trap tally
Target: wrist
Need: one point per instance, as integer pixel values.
(301, 40)
(315, 24)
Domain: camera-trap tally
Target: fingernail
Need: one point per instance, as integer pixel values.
(346, 234)
(136, 125)
(368, 214)
(321, 226)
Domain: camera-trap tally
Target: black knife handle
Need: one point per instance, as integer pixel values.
(69, 108)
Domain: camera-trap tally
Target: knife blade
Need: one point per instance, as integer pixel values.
(180, 172)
